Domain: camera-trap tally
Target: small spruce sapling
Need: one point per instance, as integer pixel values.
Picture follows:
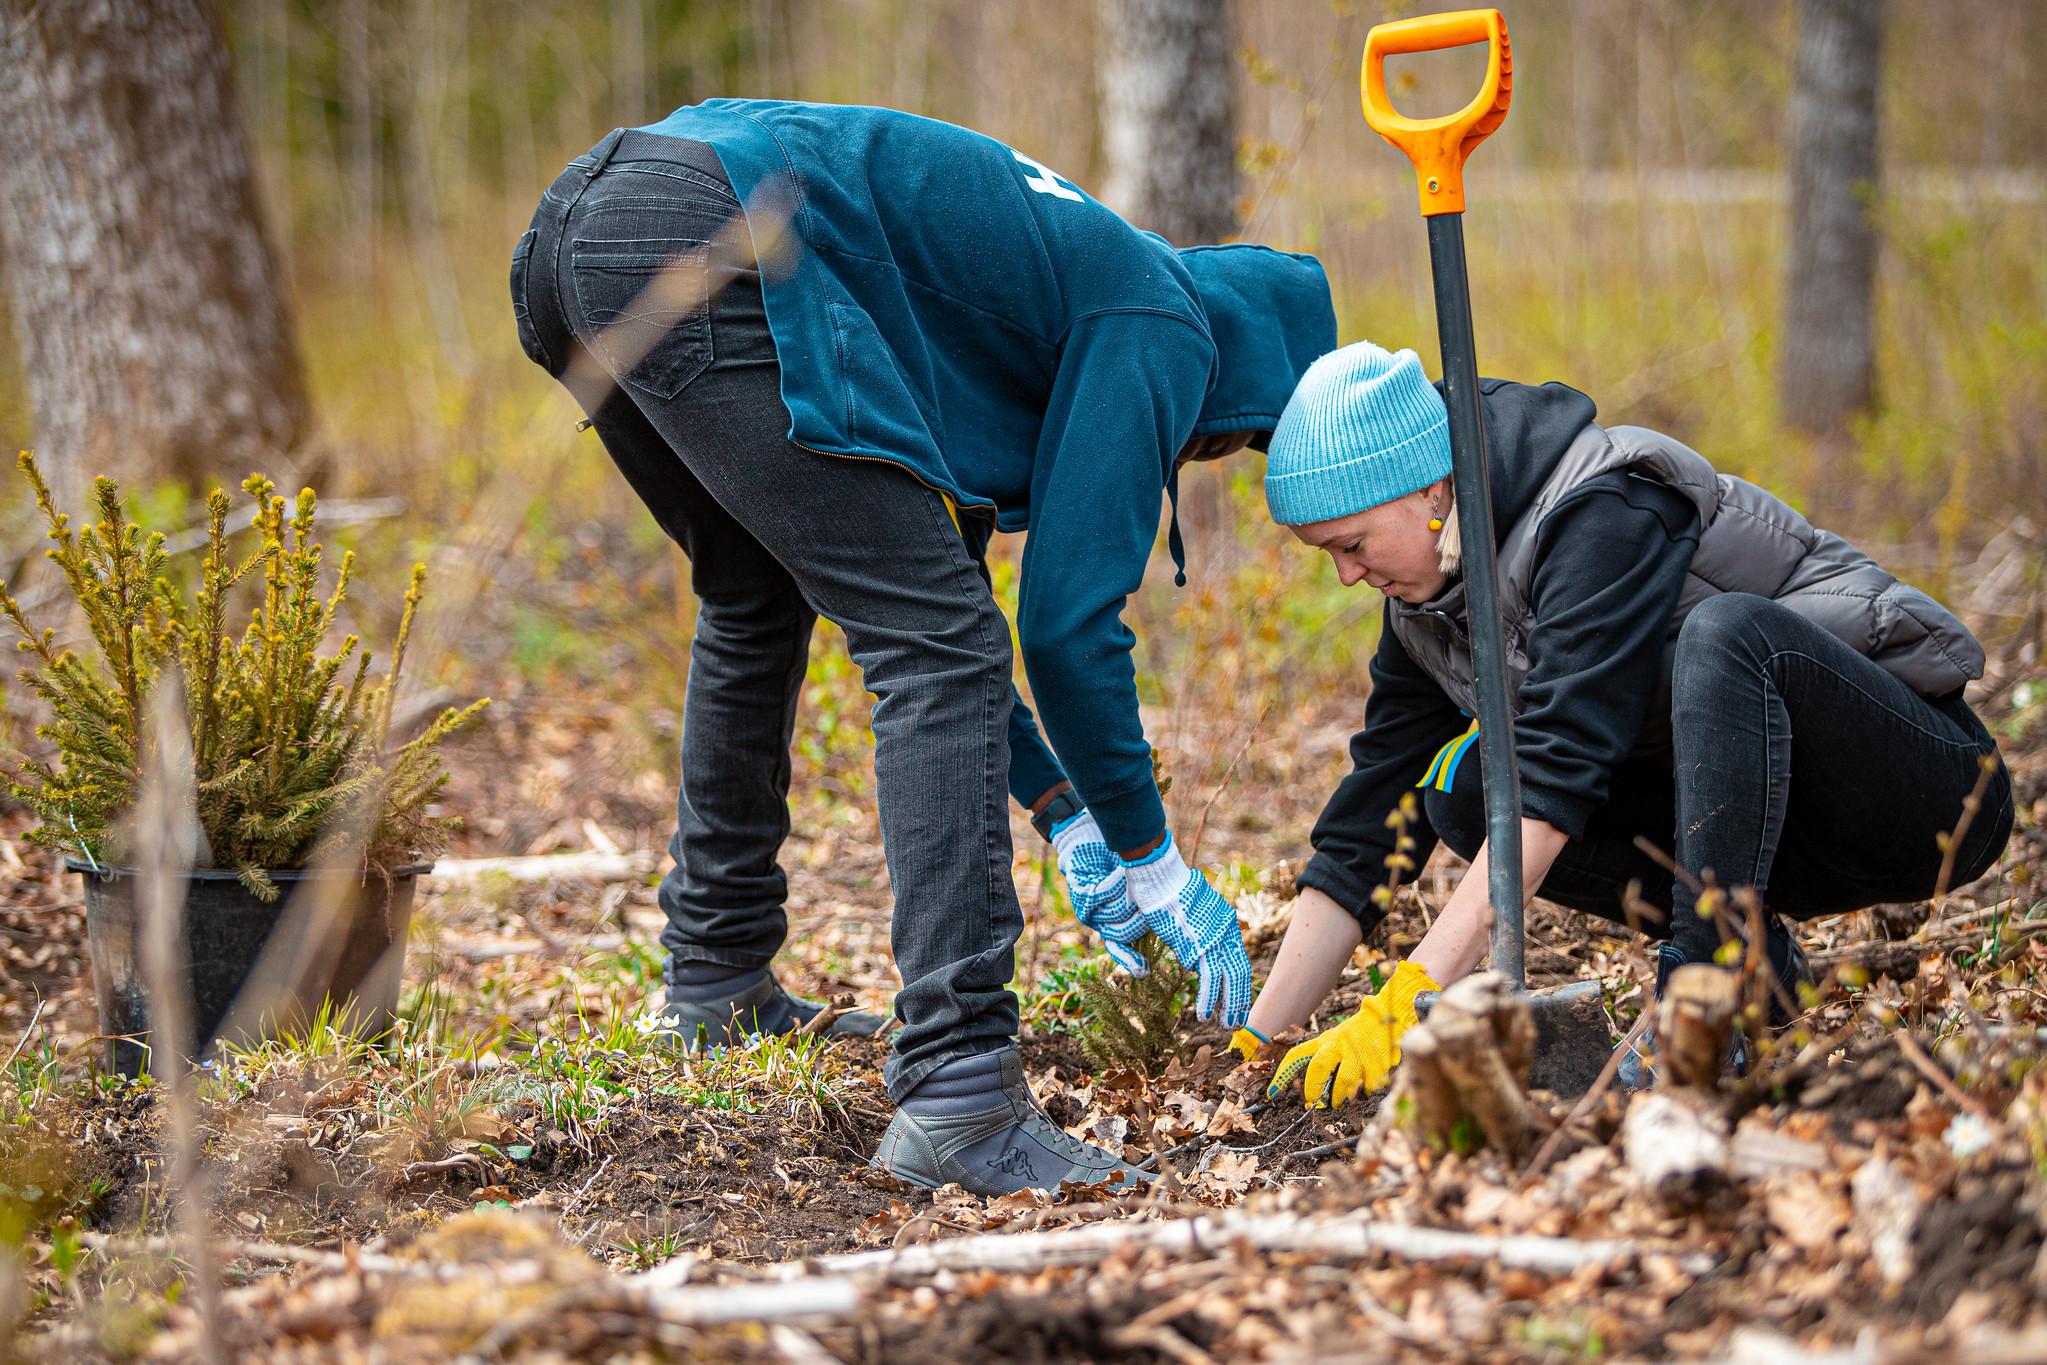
(286, 739)
(1134, 1024)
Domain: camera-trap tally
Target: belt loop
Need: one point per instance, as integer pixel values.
(605, 150)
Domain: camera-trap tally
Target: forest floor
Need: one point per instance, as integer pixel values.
(531, 1174)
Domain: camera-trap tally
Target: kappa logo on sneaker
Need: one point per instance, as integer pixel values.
(1014, 1161)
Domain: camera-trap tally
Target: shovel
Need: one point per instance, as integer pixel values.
(1572, 1037)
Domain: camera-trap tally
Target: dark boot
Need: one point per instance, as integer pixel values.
(974, 1123)
(729, 1011)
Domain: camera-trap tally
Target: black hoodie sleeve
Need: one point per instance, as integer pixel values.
(1609, 567)
(1407, 718)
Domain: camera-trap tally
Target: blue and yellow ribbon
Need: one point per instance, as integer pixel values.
(1442, 771)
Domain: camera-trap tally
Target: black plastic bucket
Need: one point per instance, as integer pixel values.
(226, 929)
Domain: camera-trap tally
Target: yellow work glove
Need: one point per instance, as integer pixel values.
(1246, 1041)
(1361, 1051)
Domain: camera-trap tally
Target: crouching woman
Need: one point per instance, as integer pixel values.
(1692, 665)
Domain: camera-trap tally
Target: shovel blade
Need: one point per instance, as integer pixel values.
(1572, 1040)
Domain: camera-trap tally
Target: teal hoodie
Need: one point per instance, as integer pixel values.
(955, 307)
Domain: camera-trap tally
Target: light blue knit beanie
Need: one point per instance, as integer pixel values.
(1364, 426)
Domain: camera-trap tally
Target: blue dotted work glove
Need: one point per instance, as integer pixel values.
(1193, 919)
(1099, 890)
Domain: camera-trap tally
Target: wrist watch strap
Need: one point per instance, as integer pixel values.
(1060, 808)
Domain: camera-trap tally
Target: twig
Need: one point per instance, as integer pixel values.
(449, 1163)
(1668, 863)
(1326, 1149)
(1160, 1338)
(164, 826)
(1943, 1082)
(1971, 803)
(817, 1024)
(1284, 1134)
(1169, 1179)
(797, 1346)
(583, 1189)
(485, 950)
(1591, 1097)
(1201, 825)
(29, 1029)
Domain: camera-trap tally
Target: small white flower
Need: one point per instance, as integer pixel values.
(1968, 1135)
(655, 1022)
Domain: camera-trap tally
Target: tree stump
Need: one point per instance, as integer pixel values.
(1464, 1071)
(1694, 1023)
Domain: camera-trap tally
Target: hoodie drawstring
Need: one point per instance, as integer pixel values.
(1174, 545)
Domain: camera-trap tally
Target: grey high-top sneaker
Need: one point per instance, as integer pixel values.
(727, 1013)
(974, 1122)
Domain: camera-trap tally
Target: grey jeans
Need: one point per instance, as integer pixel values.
(778, 535)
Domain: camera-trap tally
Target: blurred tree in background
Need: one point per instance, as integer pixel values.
(1169, 116)
(1829, 367)
(155, 333)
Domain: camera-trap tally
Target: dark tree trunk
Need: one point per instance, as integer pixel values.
(1827, 370)
(1169, 116)
(154, 333)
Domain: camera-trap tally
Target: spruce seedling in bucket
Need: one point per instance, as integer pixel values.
(296, 779)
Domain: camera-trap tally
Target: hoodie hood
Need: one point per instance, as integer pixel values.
(1270, 316)
(1527, 429)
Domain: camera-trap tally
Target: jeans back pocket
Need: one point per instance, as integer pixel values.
(522, 312)
(645, 307)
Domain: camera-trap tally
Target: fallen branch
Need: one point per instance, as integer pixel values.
(822, 1297)
(368, 1261)
(693, 1306)
(1895, 958)
(490, 950)
(542, 866)
(1349, 1237)
(817, 1024)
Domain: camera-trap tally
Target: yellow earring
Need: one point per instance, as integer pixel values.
(1435, 523)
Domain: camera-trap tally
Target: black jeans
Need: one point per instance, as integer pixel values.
(686, 396)
(1799, 768)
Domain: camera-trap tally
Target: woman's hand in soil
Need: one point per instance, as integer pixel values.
(1191, 918)
(1100, 890)
(1361, 1051)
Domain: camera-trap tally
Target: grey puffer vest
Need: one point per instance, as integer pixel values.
(1750, 541)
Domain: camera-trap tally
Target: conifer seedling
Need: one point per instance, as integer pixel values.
(286, 738)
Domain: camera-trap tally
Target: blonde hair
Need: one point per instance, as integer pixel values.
(1449, 549)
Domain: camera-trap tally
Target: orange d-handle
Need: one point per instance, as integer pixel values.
(1438, 146)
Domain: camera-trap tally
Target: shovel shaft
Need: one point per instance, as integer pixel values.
(1471, 478)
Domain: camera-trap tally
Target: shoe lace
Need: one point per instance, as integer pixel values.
(1062, 1141)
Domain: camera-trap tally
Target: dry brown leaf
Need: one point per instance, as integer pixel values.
(1810, 1214)
(1229, 1117)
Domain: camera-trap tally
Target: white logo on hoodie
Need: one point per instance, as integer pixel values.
(1047, 180)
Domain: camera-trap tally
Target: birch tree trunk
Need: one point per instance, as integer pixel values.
(154, 333)
(1827, 366)
(1169, 116)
